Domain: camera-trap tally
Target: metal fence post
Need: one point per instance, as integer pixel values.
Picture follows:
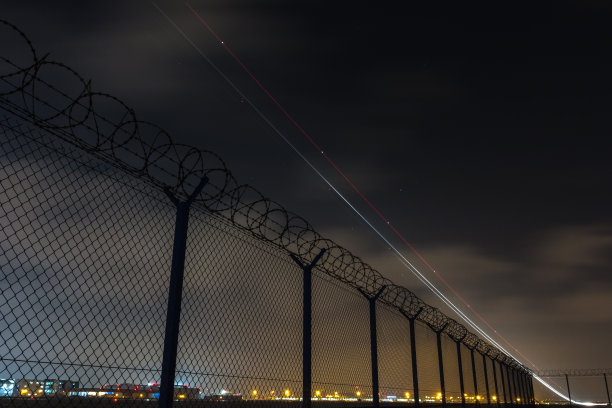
(307, 328)
(607, 389)
(474, 377)
(413, 357)
(175, 294)
(510, 396)
(441, 363)
(521, 387)
(569, 393)
(517, 390)
(524, 387)
(486, 376)
(495, 381)
(373, 344)
(503, 382)
(519, 380)
(460, 363)
(528, 386)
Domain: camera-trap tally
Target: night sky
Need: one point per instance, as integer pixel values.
(480, 131)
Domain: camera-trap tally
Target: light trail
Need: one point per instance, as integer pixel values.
(405, 261)
(353, 186)
(402, 258)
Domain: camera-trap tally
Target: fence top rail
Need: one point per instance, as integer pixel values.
(104, 126)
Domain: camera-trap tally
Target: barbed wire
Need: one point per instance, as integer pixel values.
(106, 127)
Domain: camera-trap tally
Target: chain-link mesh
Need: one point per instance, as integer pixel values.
(492, 397)
(395, 363)
(451, 370)
(98, 213)
(340, 341)
(85, 255)
(427, 358)
(241, 315)
(499, 395)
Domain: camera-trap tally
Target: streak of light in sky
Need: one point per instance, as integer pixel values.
(402, 258)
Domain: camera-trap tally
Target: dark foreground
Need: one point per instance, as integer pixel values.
(109, 403)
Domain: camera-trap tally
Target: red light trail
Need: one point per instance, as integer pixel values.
(331, 162)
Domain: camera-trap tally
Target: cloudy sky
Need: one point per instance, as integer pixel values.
(481, 132)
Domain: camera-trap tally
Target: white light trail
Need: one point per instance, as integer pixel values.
(420, 276)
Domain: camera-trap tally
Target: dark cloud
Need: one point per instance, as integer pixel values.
(480, 131)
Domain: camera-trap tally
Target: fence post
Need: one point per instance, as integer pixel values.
(307, 328)
(517, 393)
(503, 382)
(528, 401)
(510, 396)
(524, 386)
(519, 379)
(175, 294)
(519, 376)
(460, 363)
(607, 389)
(529, 391)
(441, 363)
(373, 344)
(474, 377)
(413, 357)
(517, 390)
(517, 385)
(495, 381)
(486, 376)
(569, 393)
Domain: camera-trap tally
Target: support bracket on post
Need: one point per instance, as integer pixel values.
(307, 328)
(373, 343)
(175, 294)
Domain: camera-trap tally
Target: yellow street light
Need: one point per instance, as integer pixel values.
(318, 394)
(254, 393)
(358, 393)
(407, 394)
(287, 393)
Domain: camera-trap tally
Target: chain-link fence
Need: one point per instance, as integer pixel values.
(136, 271)
(580, 384)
